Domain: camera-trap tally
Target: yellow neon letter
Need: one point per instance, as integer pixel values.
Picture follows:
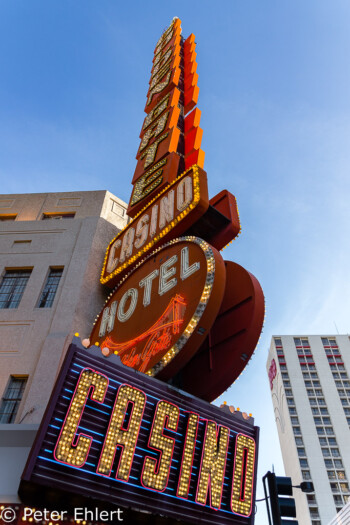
(155, 473)
(65, 451)
(118, 436)
(213, 465)
(243, 474)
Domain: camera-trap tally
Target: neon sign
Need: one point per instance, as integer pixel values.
(126, 438)
(170, 134)
(161, 312)
(158, 337)
(172, 211)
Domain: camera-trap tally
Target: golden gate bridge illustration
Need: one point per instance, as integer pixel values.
(158, 338)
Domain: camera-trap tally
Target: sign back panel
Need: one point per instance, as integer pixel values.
(112, 436)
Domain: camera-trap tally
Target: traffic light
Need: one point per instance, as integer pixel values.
(280, 507)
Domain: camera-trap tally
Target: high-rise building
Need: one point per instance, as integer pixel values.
(310, 388)
(52, 247)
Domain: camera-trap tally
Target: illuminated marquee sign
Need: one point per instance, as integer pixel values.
(172, 211)
(162, 311)
(134, 442)
(170, 134)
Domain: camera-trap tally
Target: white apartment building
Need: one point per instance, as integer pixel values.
(310, 388)
(51, 253)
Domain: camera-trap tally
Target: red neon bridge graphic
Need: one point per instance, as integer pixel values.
(158, 338)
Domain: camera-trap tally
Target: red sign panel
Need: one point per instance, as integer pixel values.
(162, 311)
(169, 214)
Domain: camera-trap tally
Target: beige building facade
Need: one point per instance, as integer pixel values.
(52, 248)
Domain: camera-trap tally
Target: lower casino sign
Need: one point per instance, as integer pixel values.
(161, 312)
(112, 436)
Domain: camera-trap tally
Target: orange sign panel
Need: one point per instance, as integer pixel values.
(168, 145)
(162, 311)
(170, 214)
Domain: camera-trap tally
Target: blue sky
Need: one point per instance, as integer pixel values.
(274, 83)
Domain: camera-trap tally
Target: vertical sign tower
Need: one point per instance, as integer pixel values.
(117, 428)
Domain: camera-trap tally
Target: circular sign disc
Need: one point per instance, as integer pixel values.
(161, 312)
(232, 338)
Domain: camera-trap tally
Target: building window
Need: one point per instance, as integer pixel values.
(301, 451)
(303, 462)
(306, 474)
(12, 287)
(49, 291)
(48, 216)
(12, 398)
